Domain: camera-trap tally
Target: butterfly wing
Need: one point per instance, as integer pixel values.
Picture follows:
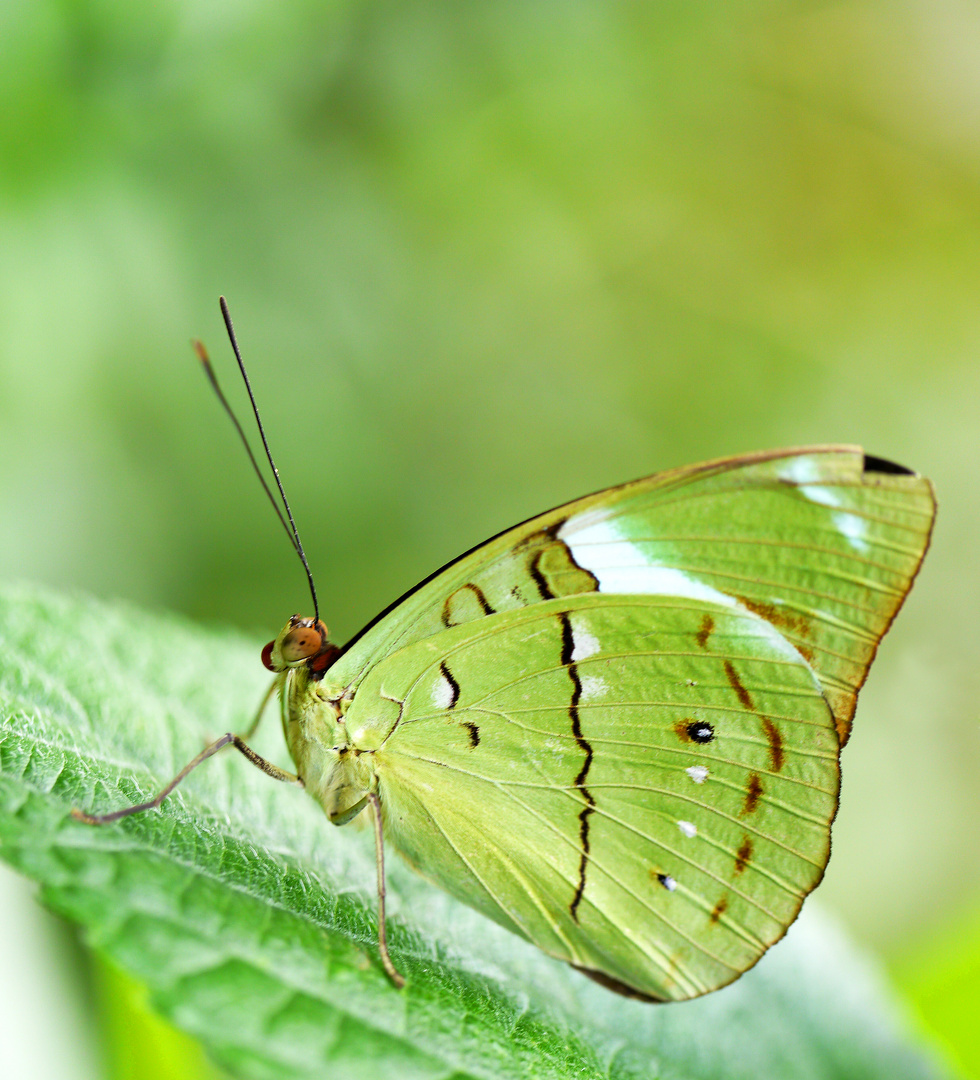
(641, 785)
(823, 543)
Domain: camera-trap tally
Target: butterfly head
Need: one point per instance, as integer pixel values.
(301, 641)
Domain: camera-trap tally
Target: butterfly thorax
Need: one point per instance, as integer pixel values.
(337, 769)
(334, 769)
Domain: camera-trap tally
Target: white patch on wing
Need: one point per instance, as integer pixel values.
(688, 828)
(442, 692)
(667, 881)
(621, 567)
(698, 773)
(584, 644)
(854, 529)
(818, 494)
(800, 470)
(803, 472)
(592, 687)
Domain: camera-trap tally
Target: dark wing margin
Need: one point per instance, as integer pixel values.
(874, 464)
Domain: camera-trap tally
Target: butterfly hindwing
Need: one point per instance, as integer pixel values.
(641, 785)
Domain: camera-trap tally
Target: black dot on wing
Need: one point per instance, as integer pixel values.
(700, 732)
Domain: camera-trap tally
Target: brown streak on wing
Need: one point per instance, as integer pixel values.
(478, 593)
(539, 579)
(719, 909)
(744, 854)
(736, 684)
(480, 598)
(793, 621)
(453, 685)
(553, 567)
(707, 625)
(776, 754)
(680, 730)
(588, 575)
(753, 793)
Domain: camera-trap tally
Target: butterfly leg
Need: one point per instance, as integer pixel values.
(259, 762)
(379, 845)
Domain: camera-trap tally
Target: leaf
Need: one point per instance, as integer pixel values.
(251, 919)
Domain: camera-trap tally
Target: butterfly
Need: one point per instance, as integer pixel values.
(615, 728)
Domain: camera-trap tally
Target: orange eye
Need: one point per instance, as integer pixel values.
(300, 643)
(267, 655)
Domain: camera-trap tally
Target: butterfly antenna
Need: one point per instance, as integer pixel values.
(297, 543)
(202, 355)
(291, 531)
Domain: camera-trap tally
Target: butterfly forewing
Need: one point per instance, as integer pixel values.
(821, 543)
(640, 785)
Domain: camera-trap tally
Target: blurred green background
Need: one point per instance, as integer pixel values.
(484, 258)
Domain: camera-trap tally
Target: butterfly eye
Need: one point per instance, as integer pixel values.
(300, 643)
(267, 656)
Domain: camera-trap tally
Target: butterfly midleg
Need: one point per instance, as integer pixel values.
(259, 762)
(379, 847)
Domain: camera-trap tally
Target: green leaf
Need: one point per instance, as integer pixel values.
(250, 918)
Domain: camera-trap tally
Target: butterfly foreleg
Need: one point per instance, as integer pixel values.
(379, 847)
(209, 751)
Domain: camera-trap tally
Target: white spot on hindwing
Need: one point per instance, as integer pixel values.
(688, 828)
(593, 686)
(584, 644)
(442, 692)
(667, 881)
(698, 773)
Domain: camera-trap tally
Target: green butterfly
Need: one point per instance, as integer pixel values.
(615, 729)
